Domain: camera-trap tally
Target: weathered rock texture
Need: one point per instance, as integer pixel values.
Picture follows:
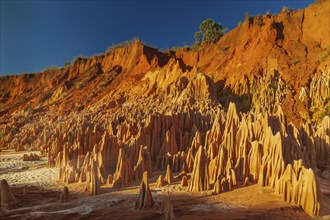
(64, 197)
(31, 157)
(7, 199)
(144, 200)
(241, 111)
(166, 208)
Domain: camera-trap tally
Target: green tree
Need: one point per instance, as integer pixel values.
(209, 31)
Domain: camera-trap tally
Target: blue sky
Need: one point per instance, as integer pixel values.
(36, 34)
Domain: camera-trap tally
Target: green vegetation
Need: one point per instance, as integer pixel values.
(51, 68)
(2, 134)
(324, 54)
(325, 112)
(247, 15)
(87, 69)
(14, 130)
(79, 85)
(102, 84)
(224, 49)
(260, 22)
(294, 61)
(209, 32)
(174, 49)
(67, 64)
(78, 58)
(196, 45)
(121, 45)
(286, 9)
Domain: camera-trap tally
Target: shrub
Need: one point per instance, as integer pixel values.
(324, 54)
(67, 64)
(294, 61)
(260, 22)
(14, 130)
(174, 49)
(224, 49)
(196, 45)
(286, 9)
(88, 69)
(51, 68)
(121, 44)
(78, 58)
(102, 84)
(79, 85)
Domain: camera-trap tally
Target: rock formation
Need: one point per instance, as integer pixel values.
(199, 176)
(144, 200)
(184, 181)
(7, 199)
(64, 195)
(167, 208)
(169, 176)
(31, 157)
(160, 182)
(218, 117)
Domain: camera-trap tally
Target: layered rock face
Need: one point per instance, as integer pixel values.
(217, 118)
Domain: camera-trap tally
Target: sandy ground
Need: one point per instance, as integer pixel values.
(42, 198)
(32, 173)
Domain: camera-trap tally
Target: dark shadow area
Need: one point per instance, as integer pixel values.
(243, 102)
(279, 27)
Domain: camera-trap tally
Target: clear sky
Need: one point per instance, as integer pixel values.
(36, 34)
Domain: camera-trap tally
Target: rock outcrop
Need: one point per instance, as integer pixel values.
(144, 200)
(64, 197)
(31, 157)
(7, 199)
(199, 177)
(237, 112)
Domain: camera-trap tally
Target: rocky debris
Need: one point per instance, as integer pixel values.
(144, 200)
(166, 209)
(160, 182)
(7, 199)
(31, 157)
(64, 197)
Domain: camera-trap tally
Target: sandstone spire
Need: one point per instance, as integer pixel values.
(144, 200)
(7, 199)
(199, 176)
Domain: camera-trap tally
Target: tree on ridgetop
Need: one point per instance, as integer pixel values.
(209, 31)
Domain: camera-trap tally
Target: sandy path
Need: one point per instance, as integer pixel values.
(33, 173)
